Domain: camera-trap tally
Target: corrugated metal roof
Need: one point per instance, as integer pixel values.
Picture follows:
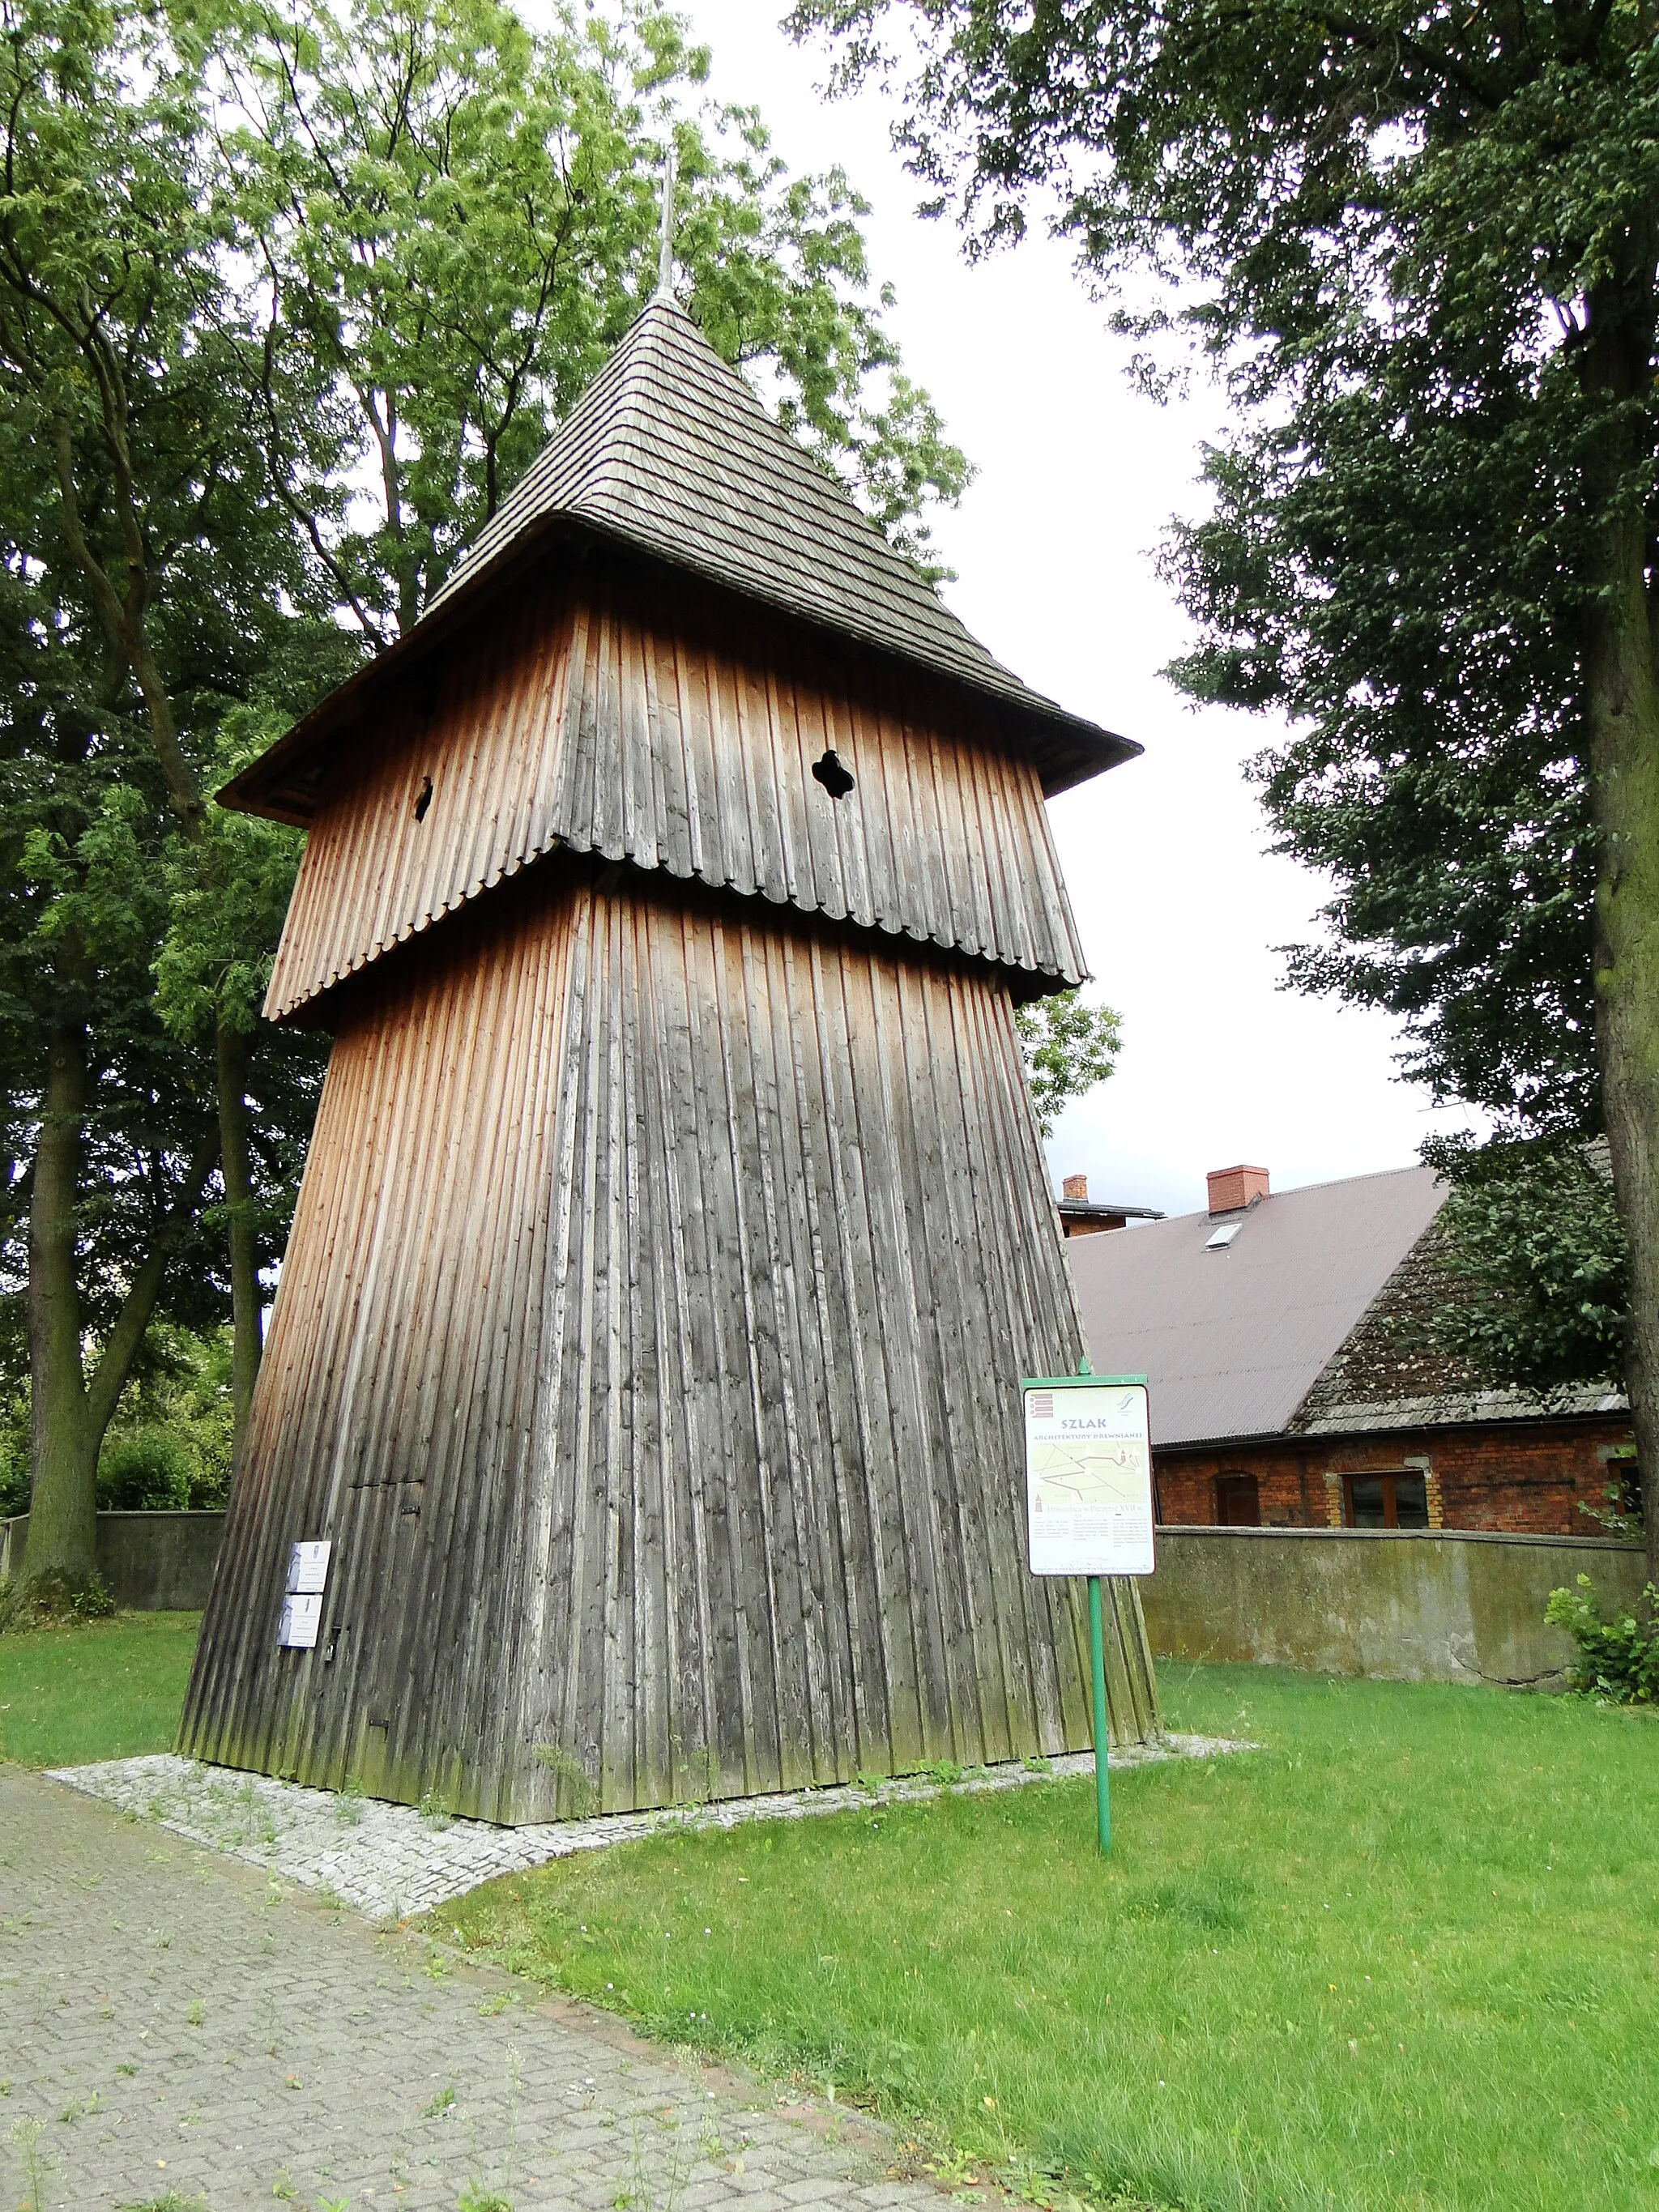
(670, 451)
(1233, 1340)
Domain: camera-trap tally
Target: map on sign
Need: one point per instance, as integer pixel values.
(1088, 1477)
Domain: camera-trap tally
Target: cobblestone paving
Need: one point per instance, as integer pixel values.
(390, 1861)
(174, 2022)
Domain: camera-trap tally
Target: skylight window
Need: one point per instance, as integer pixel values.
(1220, 1239)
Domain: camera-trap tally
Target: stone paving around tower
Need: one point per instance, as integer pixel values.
(392, 1862)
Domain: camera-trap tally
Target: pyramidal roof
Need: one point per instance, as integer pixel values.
(670, 451)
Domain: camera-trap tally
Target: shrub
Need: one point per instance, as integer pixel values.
(92, 1600)
(15, 1457)
(1618, 1658)
(35, 1600)
(145, 1470)
(183, 1390)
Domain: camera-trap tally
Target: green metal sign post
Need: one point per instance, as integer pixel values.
(1089, 1504)
(1098, 1661)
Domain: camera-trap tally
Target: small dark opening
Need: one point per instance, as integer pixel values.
(1237, 1501)
(833, 774)
(424, 800)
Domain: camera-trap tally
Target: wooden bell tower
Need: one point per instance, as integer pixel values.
(676, 1230)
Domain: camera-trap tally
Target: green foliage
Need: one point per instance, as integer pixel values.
(170, 1444)
(451, 217)
(13, 1453)
(1619, 1514)
(144, 1470)
(172, 1435)
(576, 1795)
(1618, 1657)
(227, 893)
(54, 1598)
(1535, 1263)
(1421, 244)
(1069, 1047)
(148, 583)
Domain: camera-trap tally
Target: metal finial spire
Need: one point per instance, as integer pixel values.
(666, 247)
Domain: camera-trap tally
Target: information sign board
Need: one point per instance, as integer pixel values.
(302, 1600)
(1088, 1476)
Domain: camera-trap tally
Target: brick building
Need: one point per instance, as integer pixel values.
(1290, 1387)
(1083, 1216)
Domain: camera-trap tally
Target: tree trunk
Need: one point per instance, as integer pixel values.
(127, 638)
(234, 1169)
(1623, 693)
(64, 1495)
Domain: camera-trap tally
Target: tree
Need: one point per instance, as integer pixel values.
(1068, 1049)
(1532, 1264)
(154, 585)
(1422, 241)
(453, 219)
(120, 1143)
(122, 371)
(244, 257)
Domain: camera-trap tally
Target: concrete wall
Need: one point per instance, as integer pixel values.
(1447, 1606)
(1452, 1606)
(152, 1562)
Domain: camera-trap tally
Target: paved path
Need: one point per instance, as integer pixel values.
(172, 2020)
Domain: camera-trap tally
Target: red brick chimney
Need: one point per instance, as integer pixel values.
(1231, 1189)
(1076, 1188)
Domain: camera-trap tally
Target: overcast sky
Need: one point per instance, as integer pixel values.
(1180, 905)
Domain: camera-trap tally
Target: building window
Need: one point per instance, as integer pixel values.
(1237, 1502)
(1385, 1501)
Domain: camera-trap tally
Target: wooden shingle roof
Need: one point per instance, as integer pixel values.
(670, 453)
(669, 449)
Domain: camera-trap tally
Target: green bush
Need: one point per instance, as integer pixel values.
(170, 1445)
(15, 1456)
(183, 1390)
(1618, 1658)
(52, 1600)
(145, 1469)
(14, 1486)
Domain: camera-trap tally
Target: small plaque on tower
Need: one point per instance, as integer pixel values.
(302, 1599)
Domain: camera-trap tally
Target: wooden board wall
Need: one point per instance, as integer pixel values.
(596, 711)
(647, 1345)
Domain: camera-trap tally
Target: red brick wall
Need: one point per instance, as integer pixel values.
(1527, 1477)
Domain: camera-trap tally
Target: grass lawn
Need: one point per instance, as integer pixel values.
(1407, 1955)
(103, 1689)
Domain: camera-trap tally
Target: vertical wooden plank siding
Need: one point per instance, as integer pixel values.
(681, 737)
(647, 1344)
(395, 1398)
